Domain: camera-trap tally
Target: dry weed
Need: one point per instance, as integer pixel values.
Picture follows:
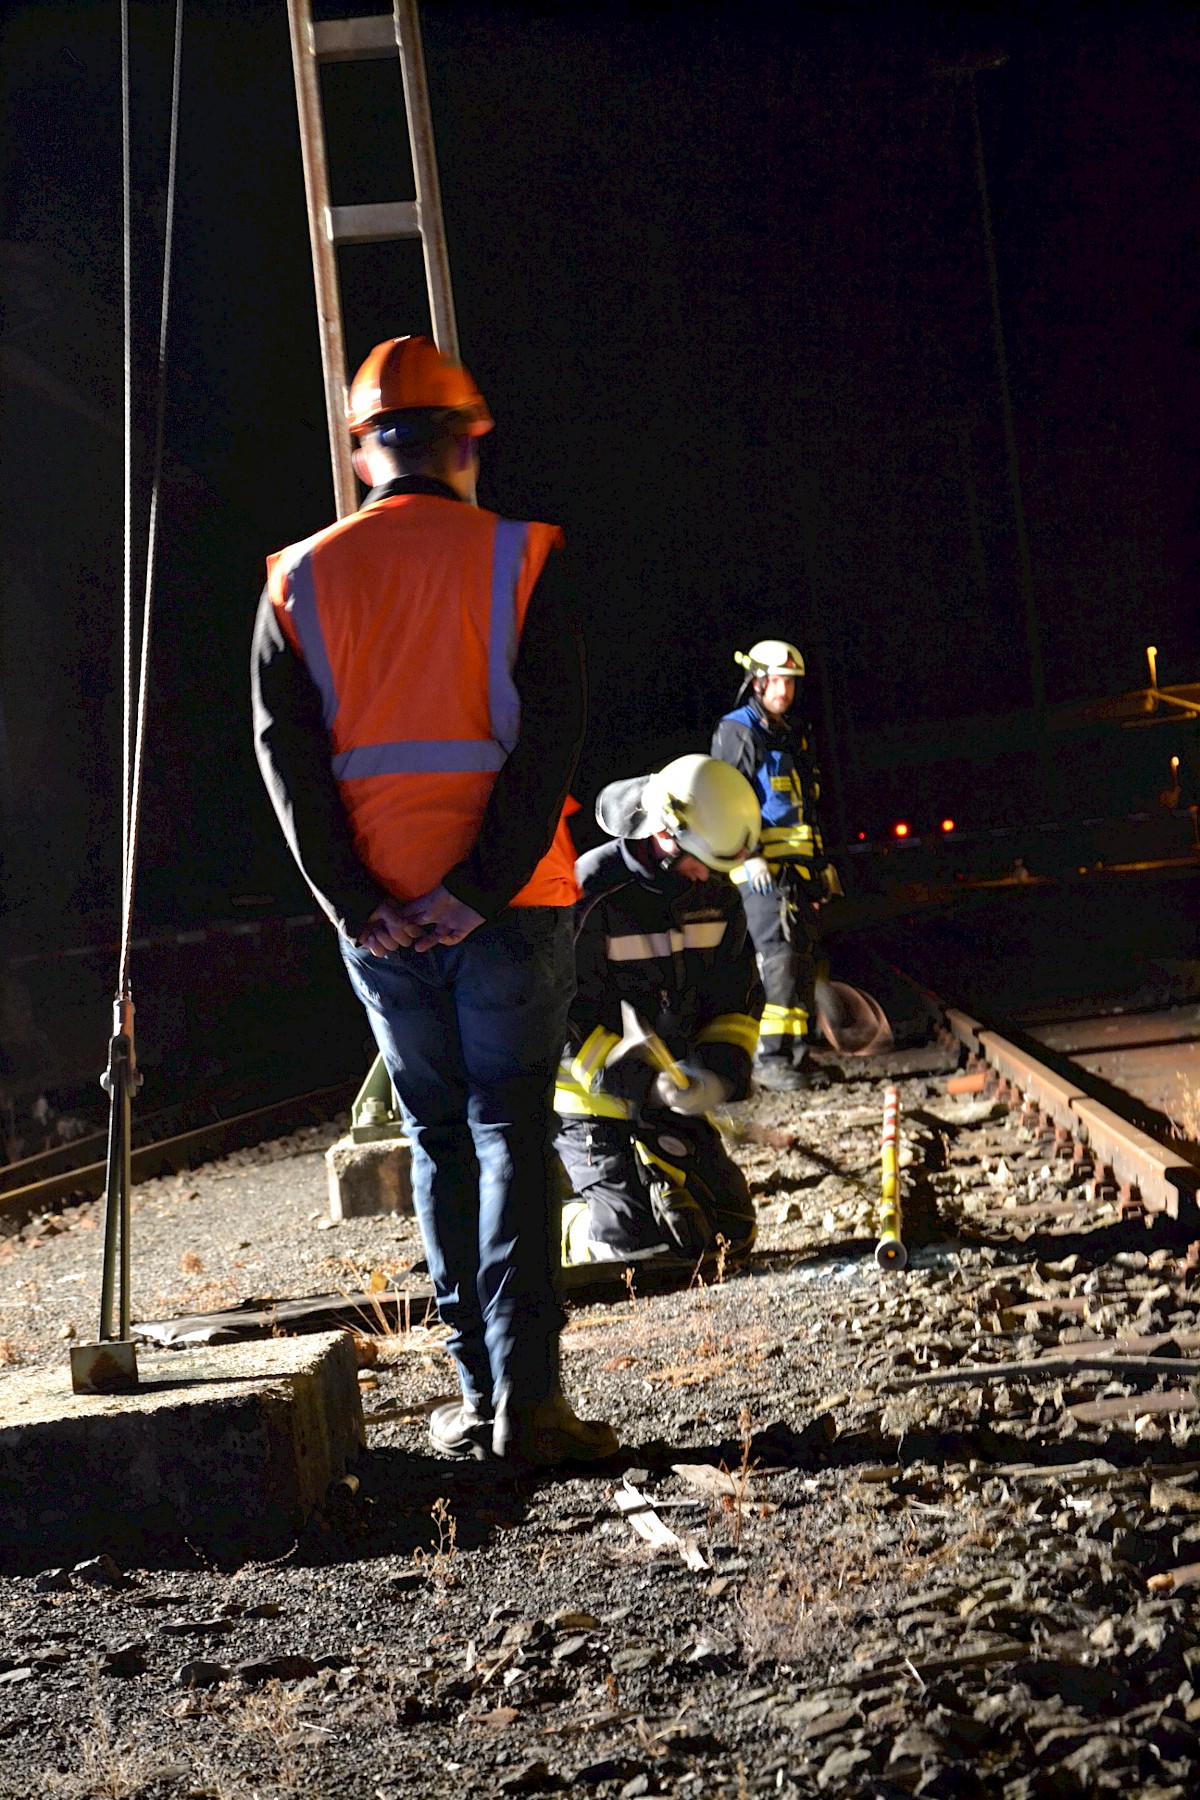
(110, 1767)
(272, 1718)
(722, 1253)
(804, 1605)
(742, 1478)
(812, 1600)
(437, 1562)
(1186, 1116)
(190, 1263)
(399, 1336)
(10, 1356)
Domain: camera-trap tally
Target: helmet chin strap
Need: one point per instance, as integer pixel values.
(665, 859)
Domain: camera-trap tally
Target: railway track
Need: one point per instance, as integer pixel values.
(44, 1183)
(1144, 1170)
(1104, 1090)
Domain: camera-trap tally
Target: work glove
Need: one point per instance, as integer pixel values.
(758, 874)
(627, 1077)
(704, 1091)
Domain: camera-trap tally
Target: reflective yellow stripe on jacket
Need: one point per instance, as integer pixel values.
(652, 1161)
(731, 1028)
(573, 1101)
(592, 1055)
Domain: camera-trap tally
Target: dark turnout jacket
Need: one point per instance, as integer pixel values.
(678, 952)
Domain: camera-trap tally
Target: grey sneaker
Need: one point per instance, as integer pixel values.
(459, 1430)
(549, 1432)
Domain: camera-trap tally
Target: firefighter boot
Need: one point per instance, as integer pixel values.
(778, 1073)
(812, 1078)
(462, 1431)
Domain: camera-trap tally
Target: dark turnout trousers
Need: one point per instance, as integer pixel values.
(666, 1183)
(784, 934)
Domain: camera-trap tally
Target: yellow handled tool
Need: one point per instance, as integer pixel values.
(651, 1045)
(889, 1251)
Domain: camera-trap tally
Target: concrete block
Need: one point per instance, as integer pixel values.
(367, 1179)
(231, 1447)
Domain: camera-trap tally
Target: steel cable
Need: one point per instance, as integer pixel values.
(133, 778)
(127, 351)
(121, 1078)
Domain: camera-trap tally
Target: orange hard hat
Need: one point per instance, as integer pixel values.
(410, 374)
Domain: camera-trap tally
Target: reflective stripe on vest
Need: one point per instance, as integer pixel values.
(643, 946)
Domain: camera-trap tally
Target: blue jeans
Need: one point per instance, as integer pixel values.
(471, 1035)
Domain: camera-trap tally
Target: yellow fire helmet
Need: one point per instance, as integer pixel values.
(771, 656)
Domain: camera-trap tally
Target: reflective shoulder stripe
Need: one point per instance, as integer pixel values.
(592, 1055)
(508, 553)
(731, 1028)
(301, 603)
(421, 756)
(573, 1102)
(641, 946)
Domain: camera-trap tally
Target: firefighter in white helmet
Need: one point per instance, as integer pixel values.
(665, 975)
(790, 875)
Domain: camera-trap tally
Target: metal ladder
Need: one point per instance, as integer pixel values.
(365, 40)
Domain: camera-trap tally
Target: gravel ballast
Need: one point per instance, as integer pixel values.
(861, 1586)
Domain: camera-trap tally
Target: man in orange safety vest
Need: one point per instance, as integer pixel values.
(419, 709)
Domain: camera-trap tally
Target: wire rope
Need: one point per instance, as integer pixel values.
(134, 775)
(127, 352)
(121, 1078)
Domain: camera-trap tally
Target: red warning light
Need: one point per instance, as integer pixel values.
(862, 837)
(900, 829)
(947, 825)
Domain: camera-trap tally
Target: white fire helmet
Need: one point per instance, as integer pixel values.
(706, 806)
(771, 656)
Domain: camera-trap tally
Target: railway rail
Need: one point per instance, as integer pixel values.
(39, 1184)
(1146, 1173)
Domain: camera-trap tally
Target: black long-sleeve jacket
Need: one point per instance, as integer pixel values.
(518, 825)
(679, 952)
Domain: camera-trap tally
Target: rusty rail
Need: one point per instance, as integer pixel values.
(184, 1150)
(1145, 1175)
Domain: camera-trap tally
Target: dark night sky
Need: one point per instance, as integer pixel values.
(720, 274)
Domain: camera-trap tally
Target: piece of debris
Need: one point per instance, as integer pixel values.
(641, 1517)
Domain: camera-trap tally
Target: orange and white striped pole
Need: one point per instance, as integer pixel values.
(889, 1251)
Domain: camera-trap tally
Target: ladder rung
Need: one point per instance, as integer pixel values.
(374, 224)
(355, 40)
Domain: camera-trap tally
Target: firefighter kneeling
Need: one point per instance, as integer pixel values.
(664, 1022)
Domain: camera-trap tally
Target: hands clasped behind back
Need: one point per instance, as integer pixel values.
(433, 918)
